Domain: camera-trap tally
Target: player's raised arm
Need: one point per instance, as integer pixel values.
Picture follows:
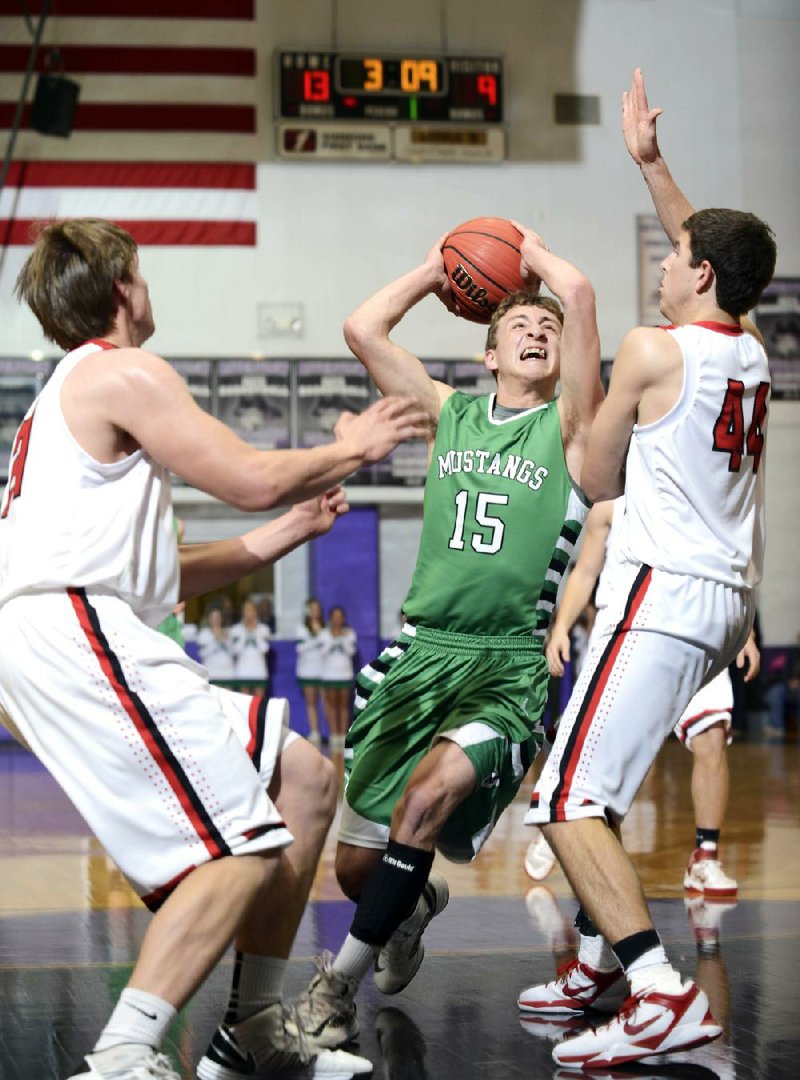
(393, 368)
(581, 388)
(138, 393)
(639, 132)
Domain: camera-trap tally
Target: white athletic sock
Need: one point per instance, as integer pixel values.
(257, 982)
(652, 971)
(355, 958)
(596, 953)
(139, 1017)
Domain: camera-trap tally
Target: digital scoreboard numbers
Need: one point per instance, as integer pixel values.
(406, 89)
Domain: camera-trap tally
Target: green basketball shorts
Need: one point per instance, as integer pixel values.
(487, 694)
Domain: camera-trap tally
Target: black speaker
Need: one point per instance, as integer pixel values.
(54, 105)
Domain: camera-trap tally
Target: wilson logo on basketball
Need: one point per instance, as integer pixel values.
(466, 285)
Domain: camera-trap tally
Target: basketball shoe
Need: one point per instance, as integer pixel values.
(705, 875)
(271, 1043)
(399, 960)
(326, 1009)
(539, 858)
(128, 1062)
(576, 987)
(648, 1023)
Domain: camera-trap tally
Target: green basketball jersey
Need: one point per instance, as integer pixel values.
(500, 522)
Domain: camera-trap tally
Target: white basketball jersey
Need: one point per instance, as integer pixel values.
(694, 481)
(67, 520)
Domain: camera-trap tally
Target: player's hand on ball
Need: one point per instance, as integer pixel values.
(530, 250)
(434, 260)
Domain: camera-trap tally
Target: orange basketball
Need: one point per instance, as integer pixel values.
(483, 265)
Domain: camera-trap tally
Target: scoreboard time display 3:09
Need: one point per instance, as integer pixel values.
(425, 89)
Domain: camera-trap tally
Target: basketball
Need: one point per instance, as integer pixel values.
(482, 261)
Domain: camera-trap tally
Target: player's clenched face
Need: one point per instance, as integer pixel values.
(527, 346)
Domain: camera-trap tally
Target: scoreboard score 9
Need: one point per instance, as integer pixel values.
(334, 86)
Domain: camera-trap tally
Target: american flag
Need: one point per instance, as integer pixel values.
(165, 131)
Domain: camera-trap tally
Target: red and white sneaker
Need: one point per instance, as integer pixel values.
(650, 1023)
(576, 987)
(705, 875)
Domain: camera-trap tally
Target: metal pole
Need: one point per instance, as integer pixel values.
(25, 84)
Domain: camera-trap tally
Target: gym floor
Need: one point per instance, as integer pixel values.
(70, 928)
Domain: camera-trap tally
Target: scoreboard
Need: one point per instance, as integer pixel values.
(409, 89)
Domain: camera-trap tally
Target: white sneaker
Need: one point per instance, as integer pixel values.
(704, 874)
(399, 960)
(127, 1062)
(647, 1024)
(326, 1009)
(315, 739)
(271, 1043)
(539, 858)
(576, 987)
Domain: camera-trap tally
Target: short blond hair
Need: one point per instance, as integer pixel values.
(521, 298)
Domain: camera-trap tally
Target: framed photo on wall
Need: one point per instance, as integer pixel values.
(652, 247)
(778, 318)
(326, 389)
(407, 466)
(20, 381)
(253, 397)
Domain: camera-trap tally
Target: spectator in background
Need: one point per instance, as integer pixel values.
(310, 649)
(783, 690)
(250, 645)
(214, 643)
(266, 613)
(337, 675)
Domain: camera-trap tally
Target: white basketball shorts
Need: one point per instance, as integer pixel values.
(168, 771)
(712, 704)
(658, 641)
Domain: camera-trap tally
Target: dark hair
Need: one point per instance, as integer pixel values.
(741, 250)
(68, 279)
(521, 298)
(307, 612)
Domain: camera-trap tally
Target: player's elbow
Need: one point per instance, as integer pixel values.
(357, 333)
(579, 295)
(598, 488)
(256, 489)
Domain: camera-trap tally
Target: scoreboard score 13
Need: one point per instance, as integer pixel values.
(425, 89)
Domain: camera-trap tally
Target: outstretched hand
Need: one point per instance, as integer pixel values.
(380, 428)
(639, 122)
